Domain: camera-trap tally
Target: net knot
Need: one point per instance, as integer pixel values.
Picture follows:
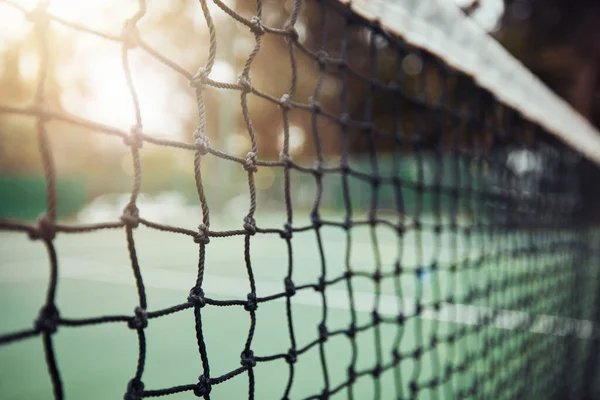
(344, 120)
(198, 80)
(367, 127)
(376, 181)
(449, 370)
(419, 272)
(419, 187)
(130, 34)
(251, 305)
(322, 58)
(196, 297)
(135, 390)
(372, 218)
(245, 83)
(140, 320)
(348, 274)
(202, 237)
(290, 288)
(285, 158)
(376, 371)
(345, 168)
(397, 268)
(134, 140)
(400, 319)
(45, 229)
(285, 102)
(351, 374)
(250, 163)
(256, 26)
(351, 332)
(376, 318)
(315, 105)
(347, 223)
(292, 33)
(203, 386)
(316, 220)
(417, 353)
(47, 320)
(434, 341)
(247, 359)
(377, 276)
(323, 334)
(317, 169)
(320, 287)
(292, 356)
(454, 225)
(413, 387)
(418, 308)
(250, 225)
(131, 216)
(286, 233)
(202, 142)
(400, 229)
(396, 356)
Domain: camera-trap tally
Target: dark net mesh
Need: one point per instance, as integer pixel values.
(492, 213)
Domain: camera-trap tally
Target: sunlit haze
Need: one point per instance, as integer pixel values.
(91, 77)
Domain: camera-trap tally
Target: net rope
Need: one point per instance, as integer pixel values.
(538, 230)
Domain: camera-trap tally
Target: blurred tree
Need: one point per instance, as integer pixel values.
(18, 145)
(559, 40)
(18, 80)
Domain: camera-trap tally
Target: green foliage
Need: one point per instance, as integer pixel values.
(18, 145)
(24, 196)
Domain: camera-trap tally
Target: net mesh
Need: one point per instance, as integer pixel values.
(494, 215)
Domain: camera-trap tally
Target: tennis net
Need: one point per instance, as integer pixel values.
(464, 176)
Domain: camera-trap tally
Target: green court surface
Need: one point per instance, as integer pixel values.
(95, 278)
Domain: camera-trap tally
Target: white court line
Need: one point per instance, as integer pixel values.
(237, 288)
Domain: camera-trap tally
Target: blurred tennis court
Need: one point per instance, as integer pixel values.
(96, 279)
